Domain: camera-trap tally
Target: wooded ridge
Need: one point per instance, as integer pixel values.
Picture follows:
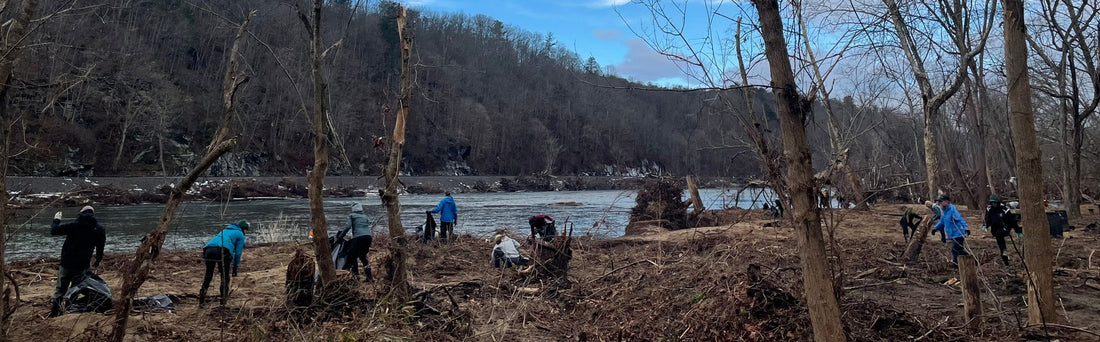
(134, 90)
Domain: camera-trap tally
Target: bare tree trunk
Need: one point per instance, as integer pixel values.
(971, 199)
(952, 22)
(137, 271)
(912, 251)
(398, 278)
(693, 192)
(162, 121)
(1073, 197)
(6, 307)
(981, 166)
(957, 25)
(931, 158)
(1037, 250)
(13, 43)
(793, 110)
(121, 141)
(972, 294)
(321, 249)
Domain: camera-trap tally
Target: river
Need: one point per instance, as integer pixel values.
(603, 213)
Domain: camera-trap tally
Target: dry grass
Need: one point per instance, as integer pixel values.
(733, 282)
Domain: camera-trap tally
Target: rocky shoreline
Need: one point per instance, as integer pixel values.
(28, 192)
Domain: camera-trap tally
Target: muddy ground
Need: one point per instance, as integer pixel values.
(690, 285)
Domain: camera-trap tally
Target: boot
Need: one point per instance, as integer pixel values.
(55, 308)
(1005, 259)
(202, 297)
(367, 273)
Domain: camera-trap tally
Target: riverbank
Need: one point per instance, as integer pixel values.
(692, 284)
(30, 192)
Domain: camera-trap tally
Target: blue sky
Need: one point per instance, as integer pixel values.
(595, 28)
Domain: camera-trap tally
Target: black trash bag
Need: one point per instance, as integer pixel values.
(157, 303)
(90, 295)
(428, 229)
(339, 248)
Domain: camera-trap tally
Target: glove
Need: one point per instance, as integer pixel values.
(934, 232)
(968, 232)
(1019, 235)
(57, 216)
(985, 228)
(427, 211)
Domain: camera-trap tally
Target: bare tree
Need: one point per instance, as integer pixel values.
(955, 20)
(1037, 250)
(320, 130)
(398, 278)
(11, 44)
(706, 61)
(1076, 74)
(751, 122)
(793, 111)
(137, 270)
(838, 143)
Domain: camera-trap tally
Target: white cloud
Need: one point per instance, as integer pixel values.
(608, 3)
(646, 65)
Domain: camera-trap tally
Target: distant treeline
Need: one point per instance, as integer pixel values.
(135, 89)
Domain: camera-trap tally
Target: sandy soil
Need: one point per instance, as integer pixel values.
(681, 285)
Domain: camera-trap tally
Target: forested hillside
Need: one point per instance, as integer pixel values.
(134, 89)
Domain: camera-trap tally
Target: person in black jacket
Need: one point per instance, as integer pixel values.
(909, 222)
(82, 236)
(1000, 222)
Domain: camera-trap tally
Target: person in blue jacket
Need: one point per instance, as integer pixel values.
(224, 248)
(953, 227)
(448, 214)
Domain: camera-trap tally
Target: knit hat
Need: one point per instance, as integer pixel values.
(357, 207)
(243, 224)
(87, 208)
(942, 198)
(994, 198)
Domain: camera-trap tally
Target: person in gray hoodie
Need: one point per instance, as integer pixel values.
(360, 243)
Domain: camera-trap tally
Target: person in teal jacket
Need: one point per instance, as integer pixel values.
(224, 248)
(447, 217)
(953, 227)
(359, 225)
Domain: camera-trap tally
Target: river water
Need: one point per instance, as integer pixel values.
(595, 213)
